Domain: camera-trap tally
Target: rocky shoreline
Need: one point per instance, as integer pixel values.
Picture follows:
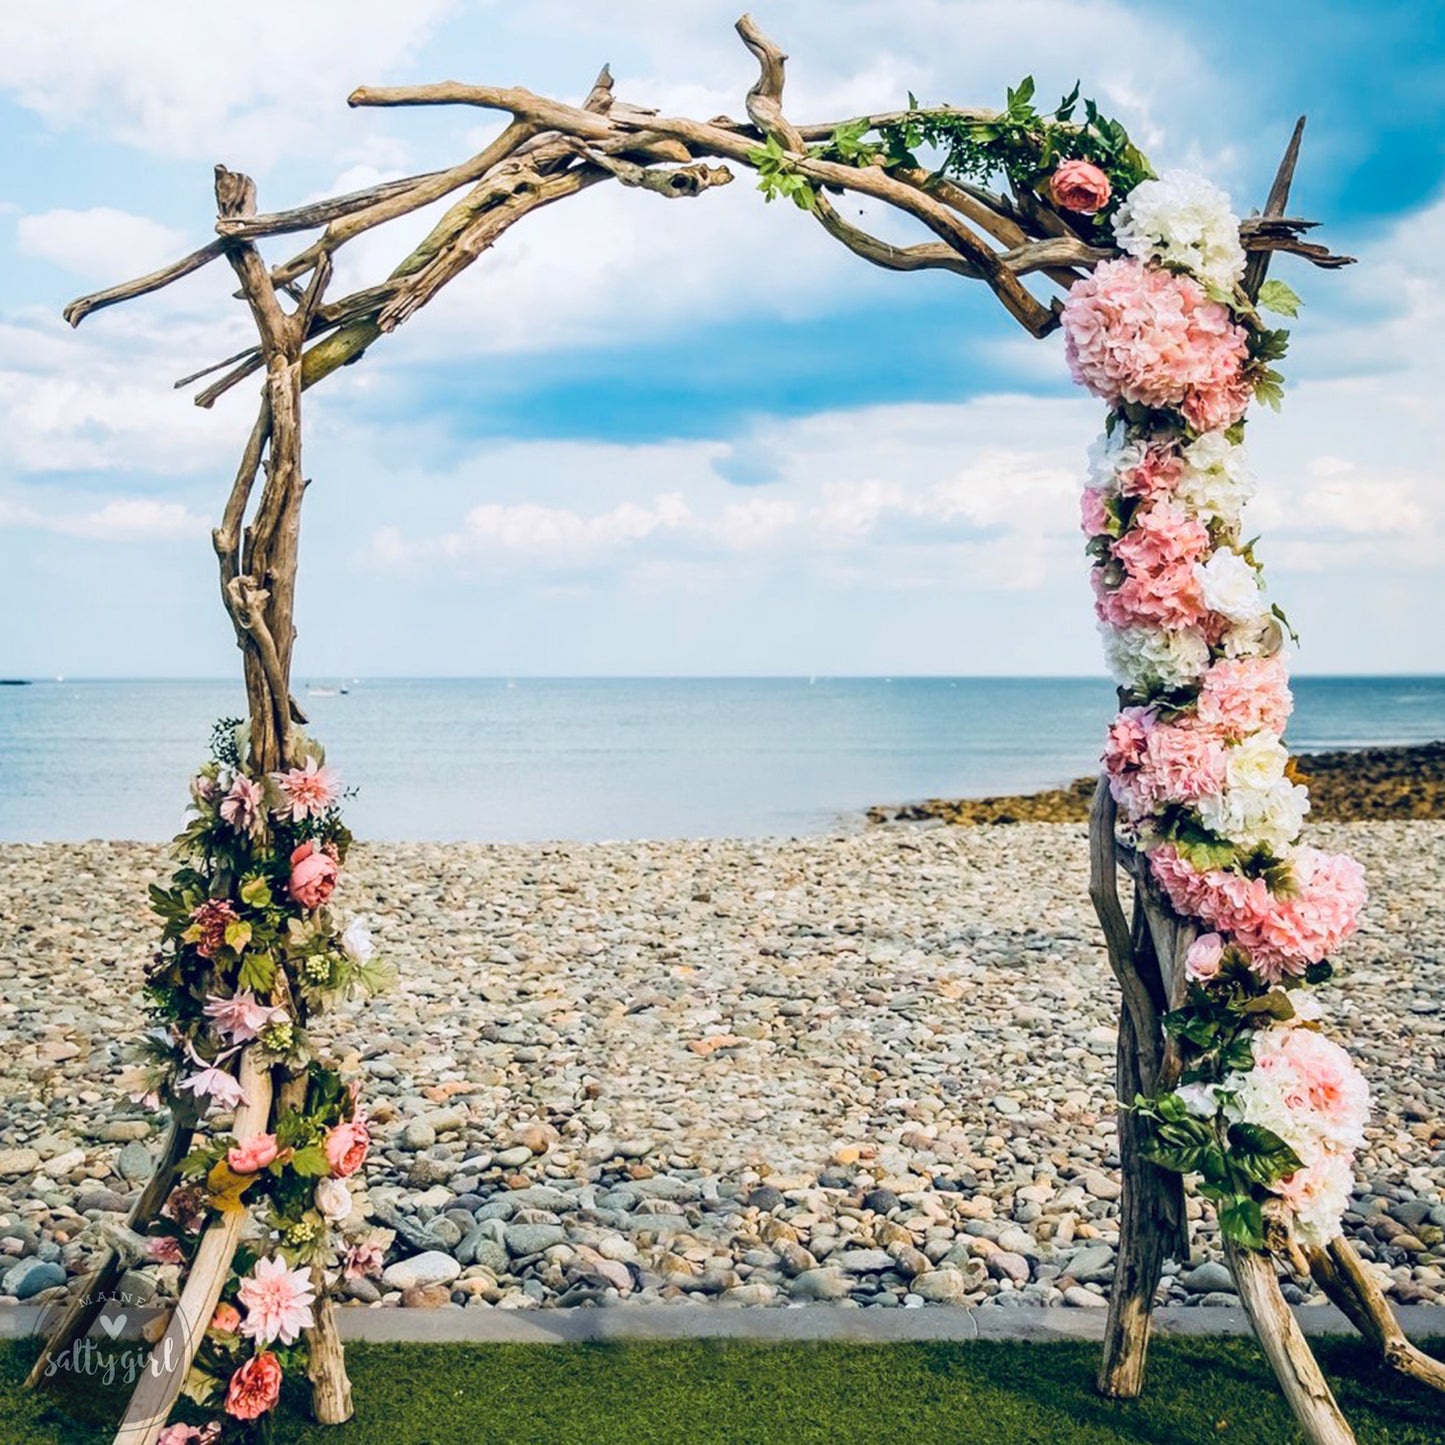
(1351, 785)
(873, 1069)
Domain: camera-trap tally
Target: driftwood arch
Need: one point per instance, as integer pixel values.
(1027, 252)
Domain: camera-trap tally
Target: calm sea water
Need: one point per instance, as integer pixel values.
(611, 758)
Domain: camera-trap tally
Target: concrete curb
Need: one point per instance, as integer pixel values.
(796, 1323)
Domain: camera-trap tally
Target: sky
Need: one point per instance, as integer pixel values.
(693, 436)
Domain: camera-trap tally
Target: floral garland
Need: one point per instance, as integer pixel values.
(250, 947)
(1268, 1108)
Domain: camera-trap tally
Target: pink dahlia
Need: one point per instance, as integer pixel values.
(1246, 695)
(308, 791)
(244, 807)
(363, 1261)
(211, 1082)
(277, 1301)
(1141, 334)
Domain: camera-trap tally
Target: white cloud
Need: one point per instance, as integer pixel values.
(99, 243)
(122, 519)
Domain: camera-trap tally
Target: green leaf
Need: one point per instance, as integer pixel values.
(1260, 1154)
(311, 1162)
(1241, 1221)
(1277, 297)
(238, 934)
(1319, 972)
(257, 972)
(1277, 611)
(256, 893)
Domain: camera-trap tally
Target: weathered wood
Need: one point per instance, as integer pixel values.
(325, 1359)
(86, 1305)
(1284, 1345)
(83, 306)
(1341, 1274)
(1258, 264)
(156, 1392)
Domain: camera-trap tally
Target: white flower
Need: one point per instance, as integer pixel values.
(356, 942)
(1268, 818)
(1145, 659)
(1261, 636)
(333, 1199)
(1217, 479)
(1185, 221)
(1318, 1195)
(1110, 453)
(1201, 1100)
(1230, 586)
(1257, 763)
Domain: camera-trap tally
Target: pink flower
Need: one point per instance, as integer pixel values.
(241, 1017)
(255, 1154)
(1142, 334)
(182, 1434)
(333, 1200)
(208, 926)
(244, 806)
(308, 791)
(347, 1145)
(187, 1206)
(164, 1249)
(1080, 186)
(1246, 695)
(1318, 1195)
(277, 1301)
(363, 1261)
(1159, 588)
(313, 876)
(205, 790)
(1202, 961)
(226, 1320)
(255, 1387)
(1158, 472)
(216, 1084)
(1318, 1084)
(1093, 515)
(1182, 764)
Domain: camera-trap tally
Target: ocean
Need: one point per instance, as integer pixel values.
(533, 759)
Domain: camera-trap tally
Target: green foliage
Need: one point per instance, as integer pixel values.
(1281, 299)
(778, 176)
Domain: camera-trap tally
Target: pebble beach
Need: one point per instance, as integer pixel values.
(875, 1069)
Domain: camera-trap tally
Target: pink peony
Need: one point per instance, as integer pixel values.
(1318, 1195)
(277, 1301)
(1142, 334)
(1080, 186)
(1202, 961)
(254, 1155)
(244, 807)
(255, 1387)
(1325, 1094)
(241, 1017)
(208, 926)
(1246, 695)
(313, 875)
(363, 1261)
(308, 791)
(347, 1146)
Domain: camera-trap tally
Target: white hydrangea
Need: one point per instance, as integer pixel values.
(1201, 1100)
(1230, 586)
(1303, 1087)
(1183, 220)
(1146, 659)
(1110, 453)
(1318, 1196)
(1270, 817)
(1217, 479)
(356, 942)
(1261, 636)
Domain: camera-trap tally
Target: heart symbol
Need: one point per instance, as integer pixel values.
(113, 1326)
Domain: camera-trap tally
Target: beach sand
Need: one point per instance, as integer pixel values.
(875, 1067)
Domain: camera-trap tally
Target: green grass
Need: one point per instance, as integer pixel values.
(721, 1393)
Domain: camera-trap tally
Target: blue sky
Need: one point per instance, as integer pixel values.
(693, 436)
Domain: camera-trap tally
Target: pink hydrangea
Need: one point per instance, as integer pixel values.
(1093, 515)
(1125, 748)
(1319, 1085)
(1283, 934)
(1143, 334)
(1157, 472)
(1246, 695)
(1158, 554)
(1182, 764)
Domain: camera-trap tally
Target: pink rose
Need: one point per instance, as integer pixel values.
(226, 1320)
(347, 1146)
(1202, 961)
(1080, 186)
(253, 1155)
(255, 1387)
(313, 876)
